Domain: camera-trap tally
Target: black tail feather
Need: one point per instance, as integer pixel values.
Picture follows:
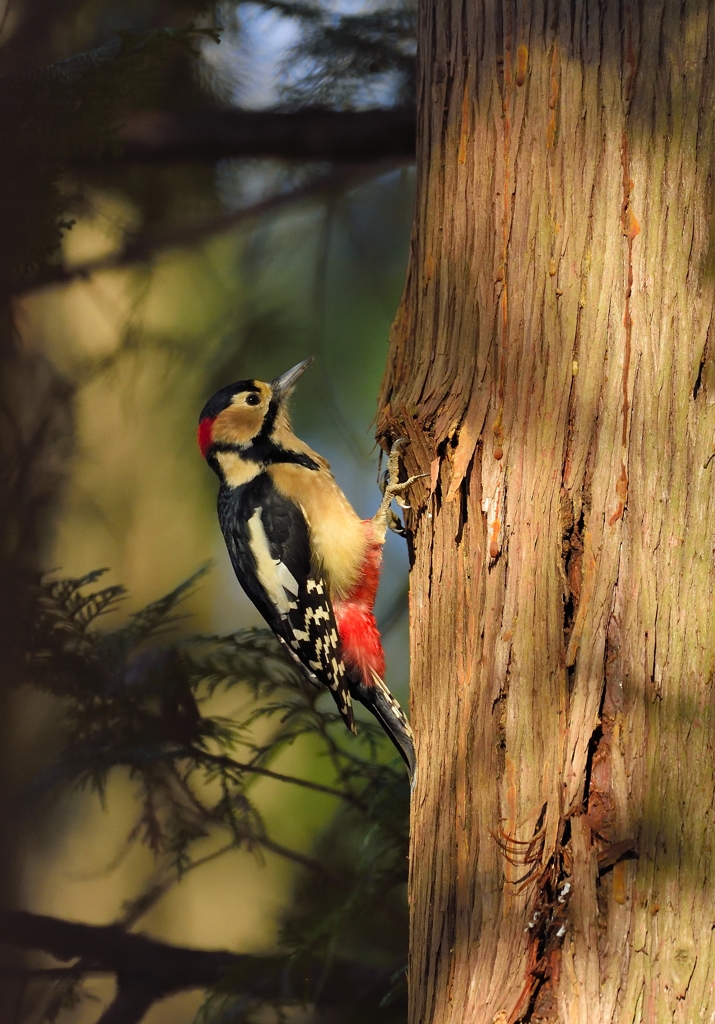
(380, 702)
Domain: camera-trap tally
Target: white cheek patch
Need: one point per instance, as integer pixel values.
(275, 577)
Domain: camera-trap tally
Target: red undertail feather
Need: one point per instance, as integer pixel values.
(357, 627)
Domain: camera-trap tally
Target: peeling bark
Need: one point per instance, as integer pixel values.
(553, 366)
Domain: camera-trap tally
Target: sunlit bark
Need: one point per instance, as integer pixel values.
(553, 367)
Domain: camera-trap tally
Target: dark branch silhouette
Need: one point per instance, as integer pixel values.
(148, 970)
(144, 248)
(301, 135)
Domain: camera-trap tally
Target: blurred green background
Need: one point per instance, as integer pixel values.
(104, 375)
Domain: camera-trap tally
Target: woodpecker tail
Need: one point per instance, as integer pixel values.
(380, 702)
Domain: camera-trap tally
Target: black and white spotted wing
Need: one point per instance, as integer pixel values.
(269, 544)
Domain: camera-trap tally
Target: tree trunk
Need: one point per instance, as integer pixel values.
(553, 367)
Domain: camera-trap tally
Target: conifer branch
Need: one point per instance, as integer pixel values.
(148, 970)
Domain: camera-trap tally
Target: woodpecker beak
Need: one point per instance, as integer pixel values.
(283, 385)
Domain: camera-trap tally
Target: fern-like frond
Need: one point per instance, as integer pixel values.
(155, 617)
(133, 705)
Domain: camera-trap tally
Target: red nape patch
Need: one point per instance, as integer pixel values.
(204, 434)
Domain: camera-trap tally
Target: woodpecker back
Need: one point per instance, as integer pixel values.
(301, 553)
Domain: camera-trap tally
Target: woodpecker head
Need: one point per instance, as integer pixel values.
(241, 416)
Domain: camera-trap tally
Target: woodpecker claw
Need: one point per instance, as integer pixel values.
(393, 490)
(384, 516)
(395, 523)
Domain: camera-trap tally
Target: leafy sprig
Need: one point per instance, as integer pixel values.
(138, 699)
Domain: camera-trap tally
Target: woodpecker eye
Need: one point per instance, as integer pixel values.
(252, 399)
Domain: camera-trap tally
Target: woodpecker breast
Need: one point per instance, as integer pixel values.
(338, 535)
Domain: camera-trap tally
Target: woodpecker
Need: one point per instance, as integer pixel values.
(300, 551)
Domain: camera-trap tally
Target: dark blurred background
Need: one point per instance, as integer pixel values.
(146, 262)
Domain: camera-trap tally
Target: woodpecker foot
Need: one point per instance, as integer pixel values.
(392, 488)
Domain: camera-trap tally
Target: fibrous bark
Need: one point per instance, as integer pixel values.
(553, 366)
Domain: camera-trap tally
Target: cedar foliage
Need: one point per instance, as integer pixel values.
(134, 703)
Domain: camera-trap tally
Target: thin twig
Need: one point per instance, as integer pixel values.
(223, 761)
(141, 905)
(299, 858)
(143, 249)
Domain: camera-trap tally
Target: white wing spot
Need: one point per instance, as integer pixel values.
(286, 577)
(271, 574)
